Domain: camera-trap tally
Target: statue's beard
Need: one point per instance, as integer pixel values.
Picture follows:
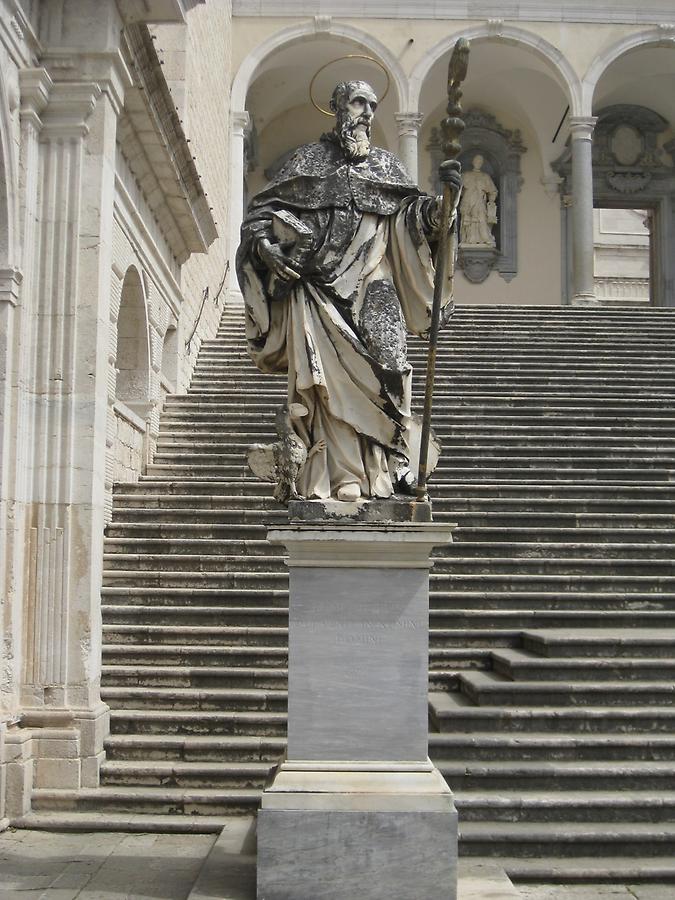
(355, 139)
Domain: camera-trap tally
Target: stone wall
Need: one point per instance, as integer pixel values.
(197, 62)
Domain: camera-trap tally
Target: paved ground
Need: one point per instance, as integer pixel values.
(597, 891)
(113, 866)
(99, 866)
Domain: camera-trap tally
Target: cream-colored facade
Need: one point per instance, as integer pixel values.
(533, 67)
(112, 266)
(131, 133)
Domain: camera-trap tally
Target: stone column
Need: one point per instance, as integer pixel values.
(240, 121)
(357, 807)
(582, 211)
(409, 125)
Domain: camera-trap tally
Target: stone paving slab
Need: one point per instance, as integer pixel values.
(597, 891)
(99, 865)
(45, 865)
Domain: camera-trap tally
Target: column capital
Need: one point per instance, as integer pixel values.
(241, 121)
(35, 86)
(409, 123)
(70, 105)
(582, 127)
(107, 69)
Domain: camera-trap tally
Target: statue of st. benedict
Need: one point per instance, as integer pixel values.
(336, 265)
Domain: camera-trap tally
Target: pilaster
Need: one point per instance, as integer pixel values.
(76, 135)
(409, 125)
(582, 128)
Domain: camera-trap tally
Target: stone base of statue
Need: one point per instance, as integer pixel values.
(477, 261)
(357, 809)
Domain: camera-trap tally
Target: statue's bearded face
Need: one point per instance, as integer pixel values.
(354, 104)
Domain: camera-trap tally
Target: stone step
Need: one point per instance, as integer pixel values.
(236, 450)
(239, 677)
(556, 563)
(553, 602)
(196, 655)
(164, 578)
(523, 666)
(560, 776)
(543, 839)
(240, 617)
(195, 562)
(456, 713)
(136, 545)
(165, 801)
(584, 869)
(546, 747)
(606, 643)
(460, 470)
(171, 526)
(488, 689)
(562, 583)
(197, 722)
(252, 416)
(589, 806)
(186, 775)
(514, 619)
(191, 748)
(191, 699)
(186, 521)
(189, 635)
(237, 599)
(128, 821)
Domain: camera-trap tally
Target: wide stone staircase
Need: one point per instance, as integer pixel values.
(552, 663)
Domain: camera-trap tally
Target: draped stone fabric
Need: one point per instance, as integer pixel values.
(339, 331)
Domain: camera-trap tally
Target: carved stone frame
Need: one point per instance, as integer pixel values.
(646, 182)
(503, 149)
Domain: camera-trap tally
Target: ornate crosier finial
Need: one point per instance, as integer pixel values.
(452, 127)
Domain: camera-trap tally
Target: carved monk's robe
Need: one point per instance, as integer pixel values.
(340, 332)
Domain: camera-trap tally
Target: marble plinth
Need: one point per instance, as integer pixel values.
(357, 809)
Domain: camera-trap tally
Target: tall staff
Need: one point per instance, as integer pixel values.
(451, 127)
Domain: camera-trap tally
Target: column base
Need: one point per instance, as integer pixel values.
(368, 831)
(585, 300)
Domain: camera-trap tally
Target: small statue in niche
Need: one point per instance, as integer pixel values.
(478, 207)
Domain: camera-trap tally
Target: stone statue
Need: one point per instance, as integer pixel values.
(335, 265)
(478, 207)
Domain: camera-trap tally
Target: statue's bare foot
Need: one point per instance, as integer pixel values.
(349, 493)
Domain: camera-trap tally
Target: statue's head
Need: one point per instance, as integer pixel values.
(478, 162)
(354, 104)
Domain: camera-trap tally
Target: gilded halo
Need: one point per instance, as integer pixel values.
(328, 112)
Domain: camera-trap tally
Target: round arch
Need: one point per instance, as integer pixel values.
(133, 342)
(507, 34)
(653, 37)
(306, 32)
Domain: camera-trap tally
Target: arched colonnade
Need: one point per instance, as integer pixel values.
(410, 107)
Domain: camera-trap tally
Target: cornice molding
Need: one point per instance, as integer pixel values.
(151, 116)
(606, 12)
(136, 12)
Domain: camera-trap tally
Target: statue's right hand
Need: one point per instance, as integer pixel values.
(276, 260)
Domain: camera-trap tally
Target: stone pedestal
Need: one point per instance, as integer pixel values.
(357, 809)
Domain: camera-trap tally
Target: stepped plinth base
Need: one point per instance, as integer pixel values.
(346, 834)
(357, 809)
(393, 509)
